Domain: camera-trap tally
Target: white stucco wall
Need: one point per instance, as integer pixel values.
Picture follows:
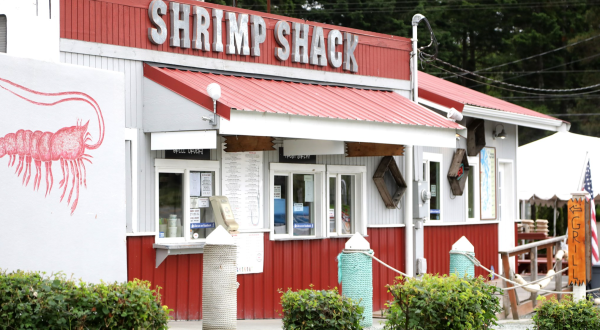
(31, 31)
(40, 232)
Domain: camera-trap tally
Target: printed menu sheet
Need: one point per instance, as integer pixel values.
(250, 252)
(243, 184)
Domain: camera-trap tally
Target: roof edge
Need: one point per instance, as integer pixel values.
(155, 74)
(555, 125)
(440, 99)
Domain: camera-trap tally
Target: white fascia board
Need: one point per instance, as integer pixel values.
(503, 116)
(138, 54)
(296, 147)
(183, 140)
(513, 118)
(305, 127)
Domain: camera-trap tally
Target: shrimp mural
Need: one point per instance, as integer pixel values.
(67, 145)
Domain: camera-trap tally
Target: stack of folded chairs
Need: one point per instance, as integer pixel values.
(526, 226)
(541, 226)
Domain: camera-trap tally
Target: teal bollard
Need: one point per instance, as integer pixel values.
(355, 273)
(460, 264)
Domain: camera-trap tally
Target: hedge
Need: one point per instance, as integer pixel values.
(32, 300)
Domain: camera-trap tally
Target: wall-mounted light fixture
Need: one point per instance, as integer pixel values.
(454, 115)
(502, 133)
(214, 92)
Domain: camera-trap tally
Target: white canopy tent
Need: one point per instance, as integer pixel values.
(550, 169)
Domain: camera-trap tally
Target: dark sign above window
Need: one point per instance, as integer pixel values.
(193, 154)
(298, 159)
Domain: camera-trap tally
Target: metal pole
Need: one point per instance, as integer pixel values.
(268, 6)
(555, 232)
(415, 58)
(408, 210)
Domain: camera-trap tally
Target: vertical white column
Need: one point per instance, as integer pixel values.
(415, 65)
(408, 210)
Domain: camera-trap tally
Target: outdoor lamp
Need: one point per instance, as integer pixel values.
(214, 92)
(502, 133)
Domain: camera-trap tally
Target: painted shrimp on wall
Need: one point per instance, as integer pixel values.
(67, 145)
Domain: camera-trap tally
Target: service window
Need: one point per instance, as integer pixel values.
(432, 170)
(183, 188)
(346, 212)
(471, 191)
(297, 194)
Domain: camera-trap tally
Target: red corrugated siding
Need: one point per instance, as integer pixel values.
(126, 23)
(290, 264)
(439, 240)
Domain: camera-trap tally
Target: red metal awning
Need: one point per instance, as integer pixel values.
(451, 95)
(276, 96)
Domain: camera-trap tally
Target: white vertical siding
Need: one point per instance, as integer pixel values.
(133, 73)
(377, 213)
(454, 207)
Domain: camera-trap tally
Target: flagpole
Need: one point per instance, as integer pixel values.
(583, 172)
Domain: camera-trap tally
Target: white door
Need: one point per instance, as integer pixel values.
(506, 208)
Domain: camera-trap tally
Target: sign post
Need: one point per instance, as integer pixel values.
(579, 244)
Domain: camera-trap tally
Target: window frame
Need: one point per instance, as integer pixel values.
(185, 167)
(285, 169)
(474, 164)
(360, 198)
(131, 135)
(429, 157)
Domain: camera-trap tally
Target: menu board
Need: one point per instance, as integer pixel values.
(250, 252)
(243, 184)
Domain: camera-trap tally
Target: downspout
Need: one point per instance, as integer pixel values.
(408, 211)
(408, 160)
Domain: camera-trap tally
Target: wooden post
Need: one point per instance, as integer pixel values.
(577, 239)
(511, 293)
(268, 6)
(534, 273)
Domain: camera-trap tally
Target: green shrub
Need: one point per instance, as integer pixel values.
(31, 300)
(319, 309)
(442, 302)
(566, 314)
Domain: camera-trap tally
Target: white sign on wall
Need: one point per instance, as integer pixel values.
(243, 184)
(250, 252)
(61, 140)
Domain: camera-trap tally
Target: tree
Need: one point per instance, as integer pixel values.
(481, 34)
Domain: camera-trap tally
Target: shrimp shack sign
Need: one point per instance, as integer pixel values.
(245, 33)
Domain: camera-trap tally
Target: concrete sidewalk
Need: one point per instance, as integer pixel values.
(278, 325)
(252, 325)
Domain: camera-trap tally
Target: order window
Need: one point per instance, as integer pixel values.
(297, 195)
(345, 200)
(183, 189)
(432, 170)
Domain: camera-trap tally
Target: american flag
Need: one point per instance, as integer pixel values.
(587, 186)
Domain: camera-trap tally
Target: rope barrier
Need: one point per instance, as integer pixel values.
(478, 263)
(381, 262)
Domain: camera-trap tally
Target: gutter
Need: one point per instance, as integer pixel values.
(555, 125)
